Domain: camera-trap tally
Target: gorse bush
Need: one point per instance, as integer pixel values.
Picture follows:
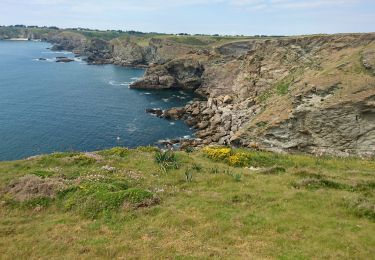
(227, 155)
(167, 160)
(241, 157)
(217, 153)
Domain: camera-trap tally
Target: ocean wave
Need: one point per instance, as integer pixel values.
(44, 59)
(131, 128)
(117, 83)
(57, 52)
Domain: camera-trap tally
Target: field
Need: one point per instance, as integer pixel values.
(210, 203)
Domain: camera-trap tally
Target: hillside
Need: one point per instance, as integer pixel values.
(313, 93)
(210, 203)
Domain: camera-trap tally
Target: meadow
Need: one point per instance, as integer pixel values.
(216, 202)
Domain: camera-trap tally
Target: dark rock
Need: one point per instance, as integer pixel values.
(65, 60)
(155, 111)
(174, 113)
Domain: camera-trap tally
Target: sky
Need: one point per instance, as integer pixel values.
(226, 17)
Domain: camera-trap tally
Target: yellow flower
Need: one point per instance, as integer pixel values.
(217, 153)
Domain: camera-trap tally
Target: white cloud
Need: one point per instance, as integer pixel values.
(97, 6)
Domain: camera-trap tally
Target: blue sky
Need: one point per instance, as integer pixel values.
(249, 17)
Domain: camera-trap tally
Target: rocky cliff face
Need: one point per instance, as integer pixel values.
(313, 94)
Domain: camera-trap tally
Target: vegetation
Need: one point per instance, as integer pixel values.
(218, 203)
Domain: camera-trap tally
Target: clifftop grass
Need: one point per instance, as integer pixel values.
(218, 202)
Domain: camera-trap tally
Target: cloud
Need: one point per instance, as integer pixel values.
(164, 4)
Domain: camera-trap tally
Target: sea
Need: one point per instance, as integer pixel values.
(48, 106)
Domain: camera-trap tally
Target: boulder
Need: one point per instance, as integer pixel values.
(155, 111)
(65, 60)
(174, 113)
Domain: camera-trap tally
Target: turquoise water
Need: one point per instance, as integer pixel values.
(47, 106)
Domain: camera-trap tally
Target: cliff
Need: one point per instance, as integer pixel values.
(313, 94)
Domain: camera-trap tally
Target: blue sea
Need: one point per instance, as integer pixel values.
(53, 107)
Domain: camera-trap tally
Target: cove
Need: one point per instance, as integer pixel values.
(47, 106)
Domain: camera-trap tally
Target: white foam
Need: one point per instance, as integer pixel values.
(116, 83)
(131, 128)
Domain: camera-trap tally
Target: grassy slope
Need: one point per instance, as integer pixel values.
(223, 212)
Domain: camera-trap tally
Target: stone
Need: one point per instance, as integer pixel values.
(167, 81)
(174, 113)
(227, 99)
(155, 111)
(202, 125)
(195, 112)
(63, 59)
(215, 120)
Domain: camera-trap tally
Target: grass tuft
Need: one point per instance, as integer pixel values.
(166, 160)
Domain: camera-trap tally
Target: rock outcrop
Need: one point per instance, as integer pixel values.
(178, 73)
(311, 94)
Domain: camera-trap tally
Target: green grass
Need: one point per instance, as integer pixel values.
(291, 207)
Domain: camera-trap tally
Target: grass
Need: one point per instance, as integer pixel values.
(284, 207)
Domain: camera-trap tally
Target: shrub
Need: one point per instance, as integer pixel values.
(362, 207)
(30, 187)
(237, 177)
(83, 160)
(136, 195)
(217, 153)
(317, 183)
(282, 88)
(239, 159)
(116, 151)
(37, 202)
(189, 149)
(94, 199)
(167, 160)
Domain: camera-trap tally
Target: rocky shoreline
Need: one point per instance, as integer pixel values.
(313, 94)
(308, 110)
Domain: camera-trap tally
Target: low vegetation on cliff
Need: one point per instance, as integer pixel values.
(214, 202)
